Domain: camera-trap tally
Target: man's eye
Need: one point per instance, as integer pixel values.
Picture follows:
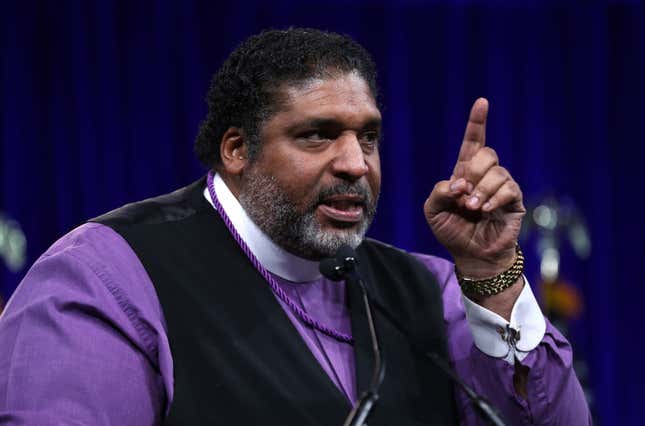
(370, 139)
(314, 136)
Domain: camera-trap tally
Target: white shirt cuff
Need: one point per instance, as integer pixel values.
(499, 338)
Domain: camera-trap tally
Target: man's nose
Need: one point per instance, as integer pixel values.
(349, 162)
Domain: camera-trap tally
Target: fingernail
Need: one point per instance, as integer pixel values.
(469, 187)
(474, 200)
(456, 184)
(487, 205)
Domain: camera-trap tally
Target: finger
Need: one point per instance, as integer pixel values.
(444, 195)
(475, 134)
(509, 193)
(488, 186)
(474, 170)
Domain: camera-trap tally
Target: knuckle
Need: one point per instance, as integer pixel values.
(519, 194)
(513, 186)
(490, 153)
(501, 172)
(513, 189)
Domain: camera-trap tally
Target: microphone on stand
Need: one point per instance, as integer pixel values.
(343, 266)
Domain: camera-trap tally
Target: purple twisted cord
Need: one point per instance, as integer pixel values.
(275, 287)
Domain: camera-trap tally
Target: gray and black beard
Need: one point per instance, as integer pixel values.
(296, 229)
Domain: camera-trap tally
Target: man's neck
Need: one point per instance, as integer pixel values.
(274, 258)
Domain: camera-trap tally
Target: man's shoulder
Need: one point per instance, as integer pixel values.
(87, 282)
(87, 239)
(94, 249)
(173, 206)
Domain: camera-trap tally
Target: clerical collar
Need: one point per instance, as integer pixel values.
(274, 258)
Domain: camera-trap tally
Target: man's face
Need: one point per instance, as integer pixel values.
(315, 184)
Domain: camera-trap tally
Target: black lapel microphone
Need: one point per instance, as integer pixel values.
(344, 266)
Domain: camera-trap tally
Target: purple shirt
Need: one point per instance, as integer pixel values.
(83, 341)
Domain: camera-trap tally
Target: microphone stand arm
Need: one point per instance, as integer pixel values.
(362, 409)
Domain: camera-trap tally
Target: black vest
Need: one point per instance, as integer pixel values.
(238, 359)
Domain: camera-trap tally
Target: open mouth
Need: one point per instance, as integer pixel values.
(343, 208)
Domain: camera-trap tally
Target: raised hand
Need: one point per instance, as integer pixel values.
(477, 213)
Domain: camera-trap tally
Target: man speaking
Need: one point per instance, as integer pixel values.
(206, 305)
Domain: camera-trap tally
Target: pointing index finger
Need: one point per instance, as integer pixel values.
(475, 134)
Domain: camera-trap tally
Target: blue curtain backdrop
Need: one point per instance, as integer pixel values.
(101, 101)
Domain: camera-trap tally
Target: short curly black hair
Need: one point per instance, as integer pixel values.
(246, 90)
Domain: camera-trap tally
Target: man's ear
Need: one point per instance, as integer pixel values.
(233, 151)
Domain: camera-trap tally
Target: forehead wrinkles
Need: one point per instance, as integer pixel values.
(348, 89)
(346, 98)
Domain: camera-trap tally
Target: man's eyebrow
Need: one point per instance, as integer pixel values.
(373, 124)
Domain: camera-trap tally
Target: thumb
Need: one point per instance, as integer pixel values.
(444, 195)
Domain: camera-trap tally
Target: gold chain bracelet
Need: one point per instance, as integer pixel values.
(474, 289)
